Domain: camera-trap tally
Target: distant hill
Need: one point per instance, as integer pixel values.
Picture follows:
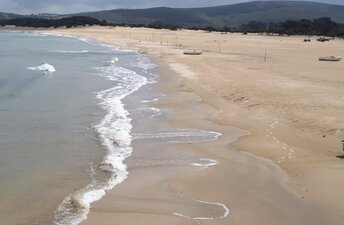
(227, 15)
(5, 16)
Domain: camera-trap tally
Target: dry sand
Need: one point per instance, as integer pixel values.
(275, 88)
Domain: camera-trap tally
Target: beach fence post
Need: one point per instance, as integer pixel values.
(266, 55)
(218, 42)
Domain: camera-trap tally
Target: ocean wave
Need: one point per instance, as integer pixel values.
(45, 67)
(114, 131)
(144, 63)
(180, 135)
(146, 66)
(84, 51)
(72, 52)
(109, 46)
(114, 60)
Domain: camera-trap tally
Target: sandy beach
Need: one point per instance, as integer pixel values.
(280, 112)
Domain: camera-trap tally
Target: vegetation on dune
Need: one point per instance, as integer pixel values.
(321, 26)
(64, 22)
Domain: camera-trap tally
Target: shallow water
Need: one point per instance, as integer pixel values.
(67, 110)
(52, 121)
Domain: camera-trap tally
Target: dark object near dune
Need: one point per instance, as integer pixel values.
(193, 52)
(323, 39)
(330, 58)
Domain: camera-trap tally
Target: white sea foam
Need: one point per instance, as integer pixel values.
(84, 51)
(114, 60)
(150, 100)
(45, 67)
(89, 41)
(205, 163)
(114, 132)
(57, 35)
(144, 63)
(154, 98)
(180, 135)
(72, 52)
(156, 112)
(110, 46)
(145, 112)
(34, 34)
(226, 212)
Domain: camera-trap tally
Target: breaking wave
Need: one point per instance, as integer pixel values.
(114, 131)
(45, 67)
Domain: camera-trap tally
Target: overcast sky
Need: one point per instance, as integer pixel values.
(71, 6)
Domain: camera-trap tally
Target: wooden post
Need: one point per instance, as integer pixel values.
(218, 42)
(265, 57)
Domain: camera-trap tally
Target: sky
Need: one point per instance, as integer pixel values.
(72, 6)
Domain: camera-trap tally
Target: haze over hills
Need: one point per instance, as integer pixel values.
(218, 16)
(226, 15)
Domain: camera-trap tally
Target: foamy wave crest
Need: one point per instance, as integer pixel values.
(45, 67)
(114, 60)
(88, 41)
(146, 65)
(114, 132)
(180, 135)
(73, 52)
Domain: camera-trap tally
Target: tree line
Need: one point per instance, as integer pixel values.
(321, 26)
(45, 23)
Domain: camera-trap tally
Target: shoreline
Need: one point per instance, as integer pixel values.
(243, 143)
(157, 188)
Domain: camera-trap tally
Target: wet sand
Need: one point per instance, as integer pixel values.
(291, 104)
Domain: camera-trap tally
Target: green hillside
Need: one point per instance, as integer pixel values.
(218, 16)
(231, 15)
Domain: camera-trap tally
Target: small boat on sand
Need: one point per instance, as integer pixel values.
(193, 52)
(330, 58)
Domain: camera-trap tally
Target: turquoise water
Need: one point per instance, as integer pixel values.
(65, 133)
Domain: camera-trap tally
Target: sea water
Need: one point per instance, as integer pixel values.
(64, 128)
(67, 110)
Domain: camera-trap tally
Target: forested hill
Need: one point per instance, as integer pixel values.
(227, 15)
(233, 15)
